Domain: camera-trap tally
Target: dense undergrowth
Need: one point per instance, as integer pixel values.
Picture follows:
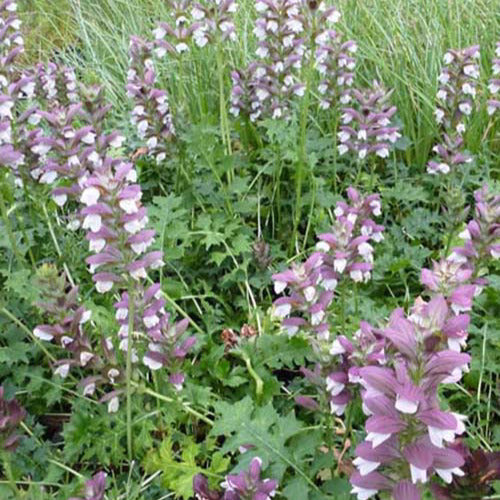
(300, 226)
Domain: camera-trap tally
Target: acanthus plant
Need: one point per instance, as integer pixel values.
(15, 87)
(77, 157)
(151, 113)
(292, 39)
(66, 327)
(203, 22)
(116, 223)
(206, 23)
(368, 128)
(344, 254)
(455, 104)
(266, 86)
(94, 489)
(246, 485)
(410, 437)
(11, 415)
(328, 53)
(335, 63)
(481, 470)
(175, 36)
(493, 104)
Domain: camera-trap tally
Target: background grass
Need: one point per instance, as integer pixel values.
(402, 43)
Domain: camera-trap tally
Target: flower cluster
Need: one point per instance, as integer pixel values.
(116, 221)
(409, 437)
(343, 252)
(267, 85)
(72, 152)
(56, 84)
(367, 126)
(11, 414)
(151, 114)
(60, 152)
(13, 86)
(481, 235)
(216, 20)
(367, 348)
(94, 488)
(166, 347)
(494, 84)
(66, 328)
(202, 21)
(247, 485)
(335, 63)
(455, 102)
(407, 432)
(290, 34)
(481, 469)
(174, 38)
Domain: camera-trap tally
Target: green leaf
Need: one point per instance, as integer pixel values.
(242, 423)
(14, 353)
(297, 489)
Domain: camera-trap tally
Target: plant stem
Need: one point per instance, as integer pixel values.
(128, 372)
(56, 243)
(10, 233)
(30, 334)
(311, 211)
(328, 429)
(342, 310)
(184, 405)
(224, 122)
(259, 384)
(302, 163)
(372, 174)
(335, 150)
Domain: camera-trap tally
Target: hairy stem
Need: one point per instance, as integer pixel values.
(128, 370)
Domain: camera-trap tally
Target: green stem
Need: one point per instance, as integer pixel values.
(342, 310)
(372, 174)
(56, 243)
(311, 210)
(184, 405)
(302, 163)
(259, 384)
(32, 217)
(128, 372)
(224, 121)
(328, 430)
(335, 151)
(23, 327)
(10, 233)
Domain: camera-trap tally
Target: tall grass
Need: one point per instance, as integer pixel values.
(402, 43)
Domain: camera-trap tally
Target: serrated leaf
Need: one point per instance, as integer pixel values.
(14, 353)
(297, 489)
